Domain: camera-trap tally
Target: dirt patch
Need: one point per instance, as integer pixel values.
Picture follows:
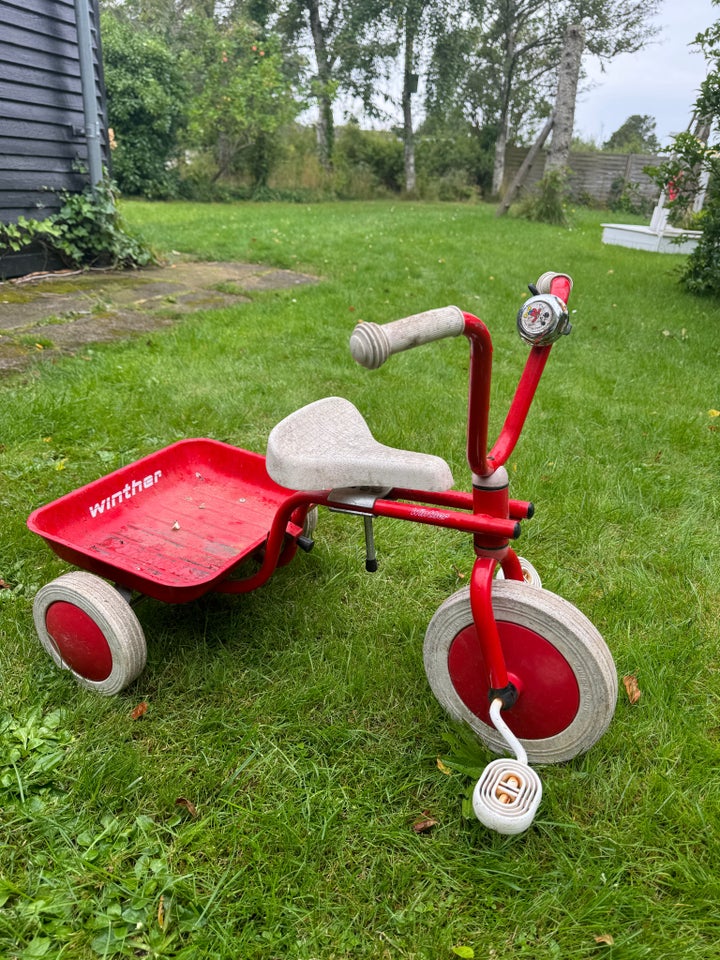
(51, 314)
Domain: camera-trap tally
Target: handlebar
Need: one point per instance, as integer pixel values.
(559, 284)
(372, 343)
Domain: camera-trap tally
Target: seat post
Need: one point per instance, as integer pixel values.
(371, 563)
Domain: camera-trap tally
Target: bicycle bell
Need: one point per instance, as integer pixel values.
(542, 319)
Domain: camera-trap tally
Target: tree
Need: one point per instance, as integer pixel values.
(549, 203)
(564, 112)
(635, 135)
(323, 87)
(411, 26)
(411, 29)
(146, 95)
(244, 100)
(349, 47)
(511, 75)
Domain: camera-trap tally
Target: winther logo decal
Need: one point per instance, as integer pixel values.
(130, 490)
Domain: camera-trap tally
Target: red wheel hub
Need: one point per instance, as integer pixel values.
(549, 697)
(79, 640)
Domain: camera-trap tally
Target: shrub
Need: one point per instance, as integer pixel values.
(548, 201)
(454, 155)
(87, 231)
(625, 197)
(146, 94)
(702, 271)
(373, 156)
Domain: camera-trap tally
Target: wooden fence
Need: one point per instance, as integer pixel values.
(595, 176)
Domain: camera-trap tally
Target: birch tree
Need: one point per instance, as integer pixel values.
(564, 112)
(348, 44)
(511, 75)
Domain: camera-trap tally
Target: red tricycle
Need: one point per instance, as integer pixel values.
(183, 521)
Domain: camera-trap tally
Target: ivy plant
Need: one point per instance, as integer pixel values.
(86, 231)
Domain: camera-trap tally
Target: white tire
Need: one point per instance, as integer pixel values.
(89, 628)
(530, 574)
(554, 655)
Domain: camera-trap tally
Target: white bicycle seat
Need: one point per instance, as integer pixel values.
(327, 445)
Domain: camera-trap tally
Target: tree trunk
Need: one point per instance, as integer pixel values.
(499, 162)
(525, 166)
(502, 135)
(568, 73)
(408, 90)
(325, 131)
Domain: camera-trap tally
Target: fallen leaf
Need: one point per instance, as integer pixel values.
(425, 824)
(442, 768)
(632, 689)
(188, 804)
(467, 952)
(140, 710)
(714, 413)
(606, 939)
(4, 585)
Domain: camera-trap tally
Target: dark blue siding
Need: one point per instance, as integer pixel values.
(42, 126)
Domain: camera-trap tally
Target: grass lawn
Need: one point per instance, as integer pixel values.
(263, 807)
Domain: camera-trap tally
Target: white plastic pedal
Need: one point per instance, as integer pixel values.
(508, 793)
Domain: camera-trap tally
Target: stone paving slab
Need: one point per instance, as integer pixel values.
(50, 314)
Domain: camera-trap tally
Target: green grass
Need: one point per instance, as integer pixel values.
(297, 720)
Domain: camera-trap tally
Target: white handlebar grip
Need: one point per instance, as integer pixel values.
(372, 343)
(543, 283)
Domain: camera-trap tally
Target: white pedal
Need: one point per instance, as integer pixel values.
(507, 795)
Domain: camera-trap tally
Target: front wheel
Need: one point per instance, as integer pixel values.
(530, 574)
(556, 658)
(89, 628)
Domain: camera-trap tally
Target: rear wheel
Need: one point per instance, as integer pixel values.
(89, 628)
(555, 657)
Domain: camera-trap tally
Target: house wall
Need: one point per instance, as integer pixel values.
(42, 126)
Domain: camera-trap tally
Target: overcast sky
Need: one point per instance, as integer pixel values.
(660, 81)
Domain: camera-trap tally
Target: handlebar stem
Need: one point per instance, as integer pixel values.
(482, 463)
(519, 408)
(479, 394)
